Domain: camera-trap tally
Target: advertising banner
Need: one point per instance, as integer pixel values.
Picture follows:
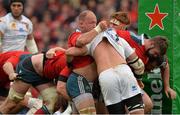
(162, 17)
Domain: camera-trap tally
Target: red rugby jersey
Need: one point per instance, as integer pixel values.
(55, 66)
(12, 57)
(78, 61)
(134, 42)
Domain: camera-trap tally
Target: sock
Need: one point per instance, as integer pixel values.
(42, 110)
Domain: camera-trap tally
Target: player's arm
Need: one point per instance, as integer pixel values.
(76, 51)
(87, 37)
(165, 72)
(136, 63)
(31, 44)
(52, 52)
(137, 67)
(9, 70)
(132, 59)
(61, 84)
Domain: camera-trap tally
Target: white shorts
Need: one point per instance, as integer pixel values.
(118, 84)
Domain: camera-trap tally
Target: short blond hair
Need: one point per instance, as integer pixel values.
(122, 17)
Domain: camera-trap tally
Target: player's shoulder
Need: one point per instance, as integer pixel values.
(74, 35)
(60, 54)
(26, 19)
(5, 18)
(135, 37)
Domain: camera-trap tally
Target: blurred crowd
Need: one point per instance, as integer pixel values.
(55, 20)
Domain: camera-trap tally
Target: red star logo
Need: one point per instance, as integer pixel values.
(156, 18)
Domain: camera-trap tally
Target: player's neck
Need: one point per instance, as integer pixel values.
(17, 17)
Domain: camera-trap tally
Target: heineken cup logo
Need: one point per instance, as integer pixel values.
(156, 18)
(156, 87)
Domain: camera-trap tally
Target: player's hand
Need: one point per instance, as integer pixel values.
(104, 25)
(13, 76)
(170, 93)
(50, 54)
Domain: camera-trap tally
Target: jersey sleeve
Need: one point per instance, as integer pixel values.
(127, 48)
(64, 73)
(30, 29)
(136, 38)
(13, 60)
(73, 38)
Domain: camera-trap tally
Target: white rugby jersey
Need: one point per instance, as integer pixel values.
(14, 32)
(121, 45)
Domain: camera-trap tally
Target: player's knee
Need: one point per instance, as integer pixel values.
(88, 110)
(50, 97)
(15, 96)
(148, 106)
(147, 102)
(85, 97)
(85, 103)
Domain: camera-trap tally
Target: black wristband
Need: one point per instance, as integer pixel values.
(62, 78)
(138, 77)
(133, 61)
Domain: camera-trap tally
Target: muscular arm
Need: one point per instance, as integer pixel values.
(165, 75)
(75, 51)
(165, 72)
(132, 58)
(136, 63)
(52, 52)
(56, 49)
(31, 44)
(9, 70)
(87, 37)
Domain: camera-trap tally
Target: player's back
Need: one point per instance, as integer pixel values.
(53, 66)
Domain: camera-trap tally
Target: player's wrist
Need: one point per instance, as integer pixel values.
(98, 29)
(12, 76)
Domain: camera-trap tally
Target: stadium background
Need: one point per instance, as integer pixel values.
(54, 20)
